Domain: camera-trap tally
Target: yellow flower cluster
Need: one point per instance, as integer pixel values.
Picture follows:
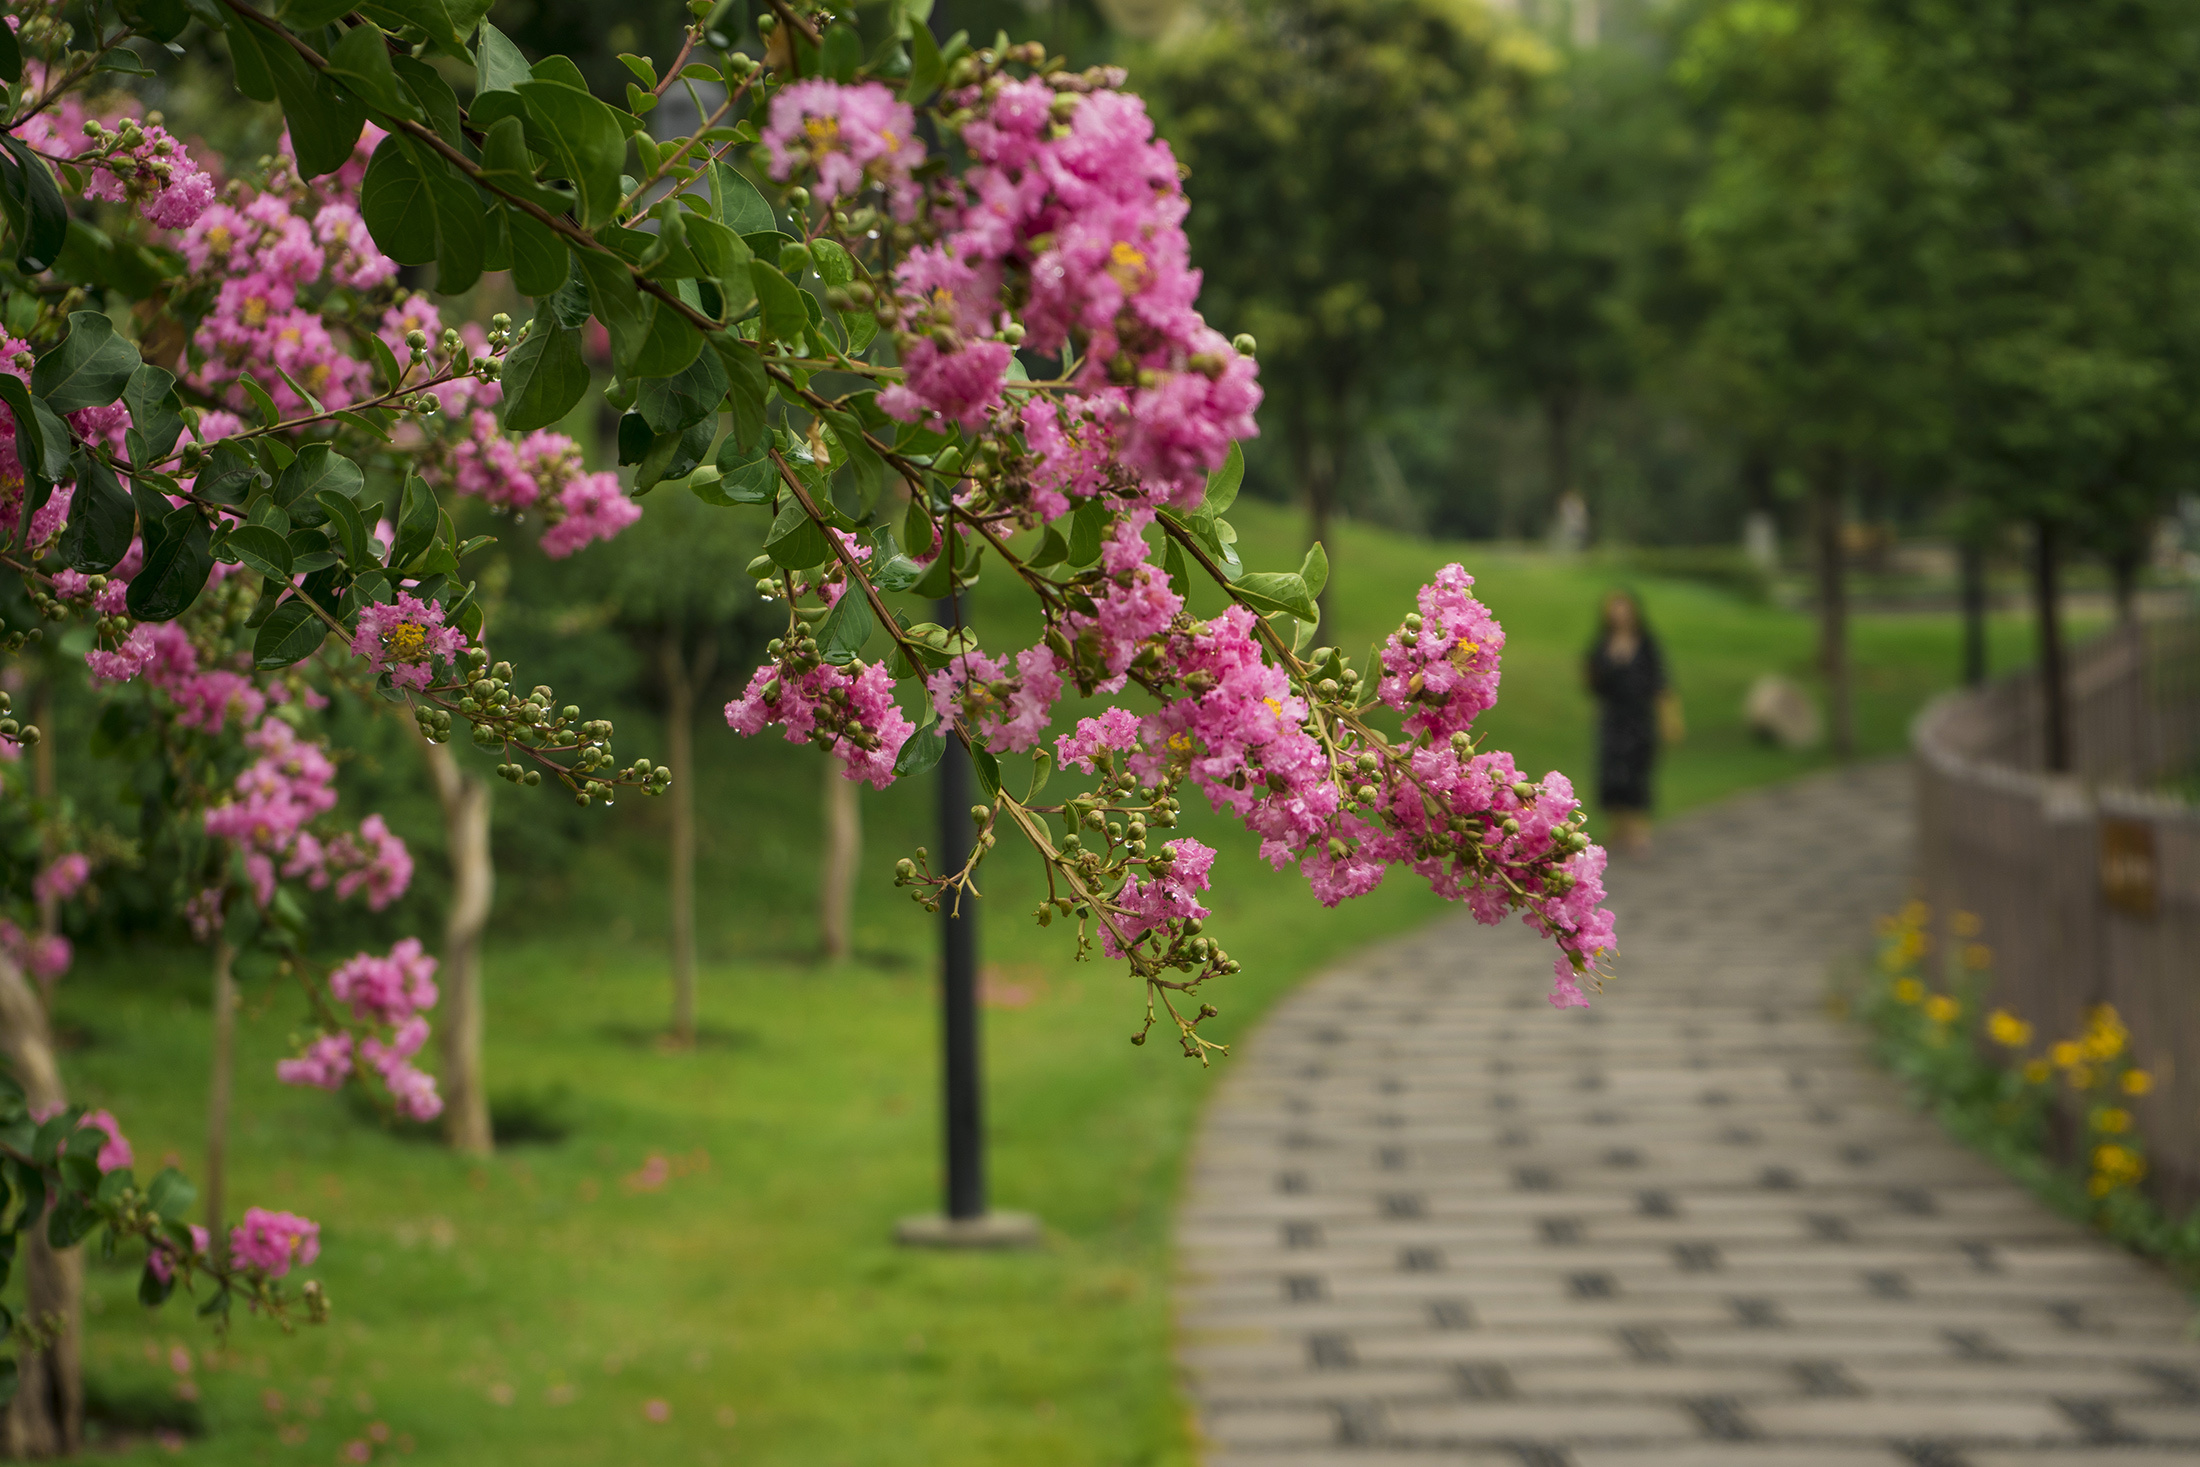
(2095, 1066)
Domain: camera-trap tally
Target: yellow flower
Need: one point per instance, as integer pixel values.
(1909, 990)
(1915, 914)
(2066, 1054)
(1942, 1009)
(1977, 956)
(1966, 924)
(2113, 1119)
(2008, 1030)
(2137, 1082)
(2038, 1071)
(1913, 943)
(2115, 1166)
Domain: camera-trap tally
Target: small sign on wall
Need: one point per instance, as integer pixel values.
(2127, 865)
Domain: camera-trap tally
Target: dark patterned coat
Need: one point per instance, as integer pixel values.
(1627, 722)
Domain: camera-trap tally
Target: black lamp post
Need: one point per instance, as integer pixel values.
(965, 1222)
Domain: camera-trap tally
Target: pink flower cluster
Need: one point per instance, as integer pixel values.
(63, 878)
(205, 698)
(382, 993)
(160, 1256)
(1443, 674)
(544, 471)
(1169, 897)
(45, 956)
(140, 164)
(1083, 222)
(1012, 711)
(851, 135)
(274, 1242)
(114, 1149)
(279, 795)
(153, 172)
(406, 638)
(849, 711)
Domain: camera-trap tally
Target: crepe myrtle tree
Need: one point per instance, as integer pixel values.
(955, 331)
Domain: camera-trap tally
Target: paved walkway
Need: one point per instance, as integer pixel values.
(1434, 1221)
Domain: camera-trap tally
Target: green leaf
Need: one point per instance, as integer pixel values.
(922, 750)
(311, 551)
(690, 396)
(101, 519)
(1053, 550)
(735, 203)
(434, 95)
(289, 636)
(925, 69)
(416, 525)
(1087, 527)
(90, 368)
(584, 143)
(305, 15)
(420, 209)
(11, 58)
(1172, 561)
(156, 412)
(227, 475)
(35, 209)
(158, 20)
(317, 467)
(866, 471)
(544, 376)
(796, 541)
(71, 1221)
(647, 338)
(507, 165)
(841, 54)
(1314, 570)
(325, 123)
(263, 550)
(1222, 484)
(500, 65)
(744, 478)
(785, 319)
(847, 627)
(346, 527)
(988, 769)
(1278, 591)
(36, 428)
(539, 262)
(175, 570)
(361, 61)
(833, 264)
(434, 20)
(748, 388)
(1042, 768)
(264, 406)
(394, 201)
(674, 455)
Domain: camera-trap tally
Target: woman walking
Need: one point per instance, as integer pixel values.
(1626, 675)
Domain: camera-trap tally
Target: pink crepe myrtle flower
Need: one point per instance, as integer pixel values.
(1158, 900)
(374, 860)
(851, 135)
(1444, 674)
(406, 638)
(325, 1065)
(160, 1255)
(45, 956)
(114, 1152)
(1115, 731)
(274, 1242)
(157, 175)
(387, 990)
(848, 711)
(63, 878)
(592, 507)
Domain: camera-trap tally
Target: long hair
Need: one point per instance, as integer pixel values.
(1604, 617)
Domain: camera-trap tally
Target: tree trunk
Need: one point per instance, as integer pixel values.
(2123, 570)
(2046, 607)
(45, 789)
(46, 1418)
(465, 799)
(681, 682)
(1833, 607)
(836, 886)
(1974, 613)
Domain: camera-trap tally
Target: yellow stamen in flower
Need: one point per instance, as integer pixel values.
(219, 237)
(1127, 264)
(290, 334)
(2008, 1030)
(1463, 655)
(1180, 743)
(889, 137)
(255, 310)
(408, 643)
(2066, 1055)
(824, 132)
(1274, 706)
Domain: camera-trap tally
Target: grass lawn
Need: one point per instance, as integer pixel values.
(699, 1273)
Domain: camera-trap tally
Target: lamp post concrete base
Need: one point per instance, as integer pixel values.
(987, 1230)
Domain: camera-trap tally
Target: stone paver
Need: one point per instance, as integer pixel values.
(1433, 1221)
